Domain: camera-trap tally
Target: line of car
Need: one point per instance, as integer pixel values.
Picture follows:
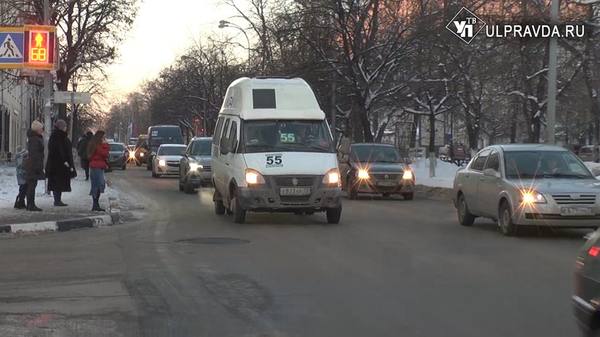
(273, 151)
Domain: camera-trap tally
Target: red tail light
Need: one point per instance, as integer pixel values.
(594, 251)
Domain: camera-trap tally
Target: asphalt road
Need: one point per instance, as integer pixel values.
(391, 268)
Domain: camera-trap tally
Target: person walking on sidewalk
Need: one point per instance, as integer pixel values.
(34, 164)
(59, 168)
(98, 155)
(82, 152)
(20, 158)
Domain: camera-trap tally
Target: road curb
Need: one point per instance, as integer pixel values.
(60, 225)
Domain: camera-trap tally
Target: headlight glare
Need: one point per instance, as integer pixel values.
(332, 177)
(253, 177)
(162, 162)
(363, 174)
(407, 175)
(195, 166)
(532, 197)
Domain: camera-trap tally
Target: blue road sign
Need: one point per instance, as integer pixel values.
(12, 47)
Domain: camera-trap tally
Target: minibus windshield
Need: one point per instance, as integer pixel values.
(286, 135)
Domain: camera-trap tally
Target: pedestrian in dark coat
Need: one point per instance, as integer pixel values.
(82, 152)
(59, 168)
(34, 164)
(98, 155)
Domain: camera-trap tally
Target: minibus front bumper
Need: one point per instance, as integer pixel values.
(269, 199)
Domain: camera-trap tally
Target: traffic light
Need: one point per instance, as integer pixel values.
(40, 47)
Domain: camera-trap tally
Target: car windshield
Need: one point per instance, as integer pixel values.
(201, 148)
(375, 153)
(116, 147)
(544, 164)
(287, 135)
(171, 150)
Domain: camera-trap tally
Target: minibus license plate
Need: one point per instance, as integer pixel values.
(575, 211)
(296, 191)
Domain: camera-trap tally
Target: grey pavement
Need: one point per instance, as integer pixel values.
(391, 268)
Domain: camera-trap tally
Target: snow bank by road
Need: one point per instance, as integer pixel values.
(444, 173)
(594, 167)
(79, 201)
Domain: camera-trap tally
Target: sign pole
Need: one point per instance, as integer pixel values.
(47, 94)
(552, 70)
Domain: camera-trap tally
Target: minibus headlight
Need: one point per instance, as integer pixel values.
(332, 177)
(162, 162)
(253, 177)
(407, 175)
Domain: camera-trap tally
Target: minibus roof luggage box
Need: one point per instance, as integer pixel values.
(271, 98)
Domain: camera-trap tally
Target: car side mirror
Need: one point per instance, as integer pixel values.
(491, 173)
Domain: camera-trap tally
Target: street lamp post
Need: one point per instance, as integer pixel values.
(227, 24)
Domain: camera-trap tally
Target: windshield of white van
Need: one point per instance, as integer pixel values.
(286, 135)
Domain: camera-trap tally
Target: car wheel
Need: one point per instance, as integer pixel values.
(507, 227)
(180, 186)
(408, 196)
(219, 206)
(465, 217)
(239, 213)
(334, 215)
(154, 174)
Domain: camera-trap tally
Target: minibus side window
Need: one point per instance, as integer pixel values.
(217, 134)
(224, 134)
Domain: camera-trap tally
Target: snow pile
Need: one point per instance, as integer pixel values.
(594, 167)
(444, 173)
(79, 200)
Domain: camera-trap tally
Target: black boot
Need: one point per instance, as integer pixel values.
(33, 208)
(19, 203)
(58, 199)
(96, 207)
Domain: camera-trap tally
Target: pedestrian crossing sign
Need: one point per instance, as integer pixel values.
(12, 47)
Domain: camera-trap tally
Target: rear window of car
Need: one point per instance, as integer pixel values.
(171, 150)
(116, 147)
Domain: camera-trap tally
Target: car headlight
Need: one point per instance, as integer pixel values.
(253, 177)
(332, 177)
(195, 166)
(532, 197)
(362, 174)
(141, 154)
(407, 175)
(162, 162)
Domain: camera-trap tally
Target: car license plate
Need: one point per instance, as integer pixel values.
(575, 211)
(387, 183)
(295, 191)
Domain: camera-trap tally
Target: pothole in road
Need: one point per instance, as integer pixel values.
(214, 241)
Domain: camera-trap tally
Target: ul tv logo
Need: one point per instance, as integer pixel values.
(465, 25)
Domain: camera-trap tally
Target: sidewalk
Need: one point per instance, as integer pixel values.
(79, 201)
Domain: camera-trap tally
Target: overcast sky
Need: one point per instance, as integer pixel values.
(163, 30)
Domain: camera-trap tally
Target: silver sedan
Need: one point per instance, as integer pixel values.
(527, 184)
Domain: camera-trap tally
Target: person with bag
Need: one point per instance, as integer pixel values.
(82, 153)
(97, 152)
(20, 158)
(59, 167)
(34, 164)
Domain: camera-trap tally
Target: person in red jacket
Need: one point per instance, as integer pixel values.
(97, 151)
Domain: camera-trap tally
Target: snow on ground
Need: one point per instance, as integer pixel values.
(444, 173)
(79, 200)
(594, 167)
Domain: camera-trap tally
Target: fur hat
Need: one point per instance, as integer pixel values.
(60, 124)
(37, 126)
